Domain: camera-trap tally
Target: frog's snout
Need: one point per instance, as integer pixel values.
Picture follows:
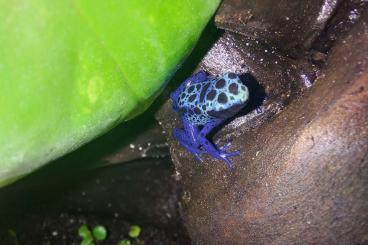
(244, 91)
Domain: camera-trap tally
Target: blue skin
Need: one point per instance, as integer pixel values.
(204, 102)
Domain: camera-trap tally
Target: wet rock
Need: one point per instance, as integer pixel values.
(302, 176)
(289, 25)
(149, 143)
(345, 16)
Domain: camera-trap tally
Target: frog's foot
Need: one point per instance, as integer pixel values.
(223, 155)
(223, 152)
(182, 137)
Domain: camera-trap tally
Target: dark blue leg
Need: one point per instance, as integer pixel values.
(210, 148)
(184, 140)
(191, 131)
(189, 137)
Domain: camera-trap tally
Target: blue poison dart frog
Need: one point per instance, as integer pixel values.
(203, 103)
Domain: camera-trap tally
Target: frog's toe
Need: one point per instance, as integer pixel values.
(225, 147)
(229, 154)
(225, 156)
(228, 162)
(198, 157)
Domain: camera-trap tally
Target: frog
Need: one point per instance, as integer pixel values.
(204, 102)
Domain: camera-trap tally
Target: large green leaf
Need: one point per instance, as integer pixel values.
(72, 69)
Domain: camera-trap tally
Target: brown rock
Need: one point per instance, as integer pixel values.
(289, 25)
(302, 176)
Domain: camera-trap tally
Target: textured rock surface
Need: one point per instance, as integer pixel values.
(302, 176)
(290, 25)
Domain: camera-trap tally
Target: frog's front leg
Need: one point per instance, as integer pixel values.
(210, 148)
(182, 137)
(188, 138)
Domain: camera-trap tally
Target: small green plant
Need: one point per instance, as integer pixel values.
(99, 233)
(13, 234)
(124, 242)
(134, 233)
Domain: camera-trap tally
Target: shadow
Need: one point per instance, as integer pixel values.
(257, 94)
(88, 155)
(209, 36)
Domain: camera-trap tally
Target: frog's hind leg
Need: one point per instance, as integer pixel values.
(185, 141)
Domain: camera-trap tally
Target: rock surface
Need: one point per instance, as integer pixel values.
(290, 25)
(302, 176)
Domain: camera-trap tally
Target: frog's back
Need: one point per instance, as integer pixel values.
(219, 97)
(191, 102)
(226, 96)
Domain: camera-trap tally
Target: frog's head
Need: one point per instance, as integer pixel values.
(229, 97)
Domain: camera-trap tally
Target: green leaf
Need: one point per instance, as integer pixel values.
(87, 241)
(135, 231)
(84, 231)
(124, 242)
(99, 232)
(70, 70)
